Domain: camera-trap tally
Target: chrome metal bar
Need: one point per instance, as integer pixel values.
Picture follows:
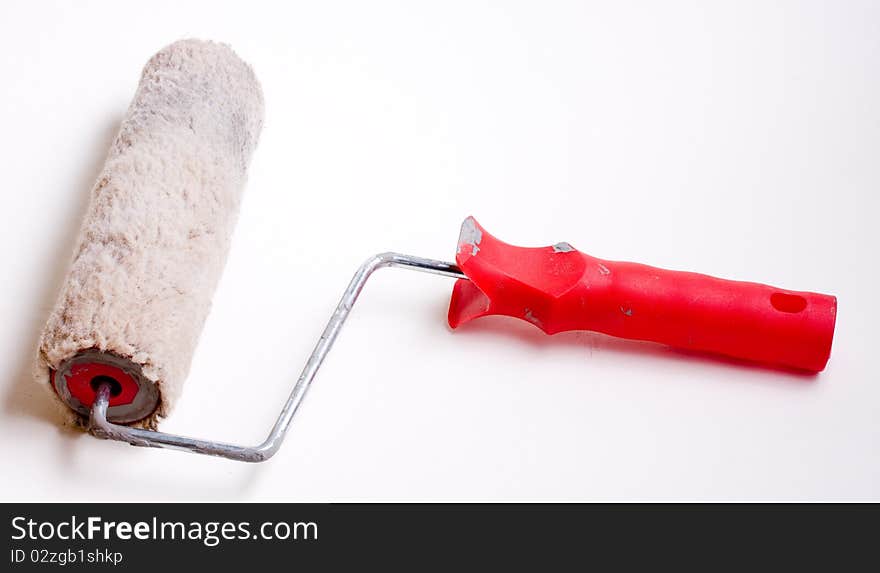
(102, 428)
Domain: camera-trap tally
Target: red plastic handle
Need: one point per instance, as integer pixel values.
(559, 288)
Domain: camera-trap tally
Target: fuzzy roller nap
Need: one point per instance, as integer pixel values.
(156, 235)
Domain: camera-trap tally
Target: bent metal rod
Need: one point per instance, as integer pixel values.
(101, 427)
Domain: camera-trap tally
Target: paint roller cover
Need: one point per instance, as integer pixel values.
(157, 232)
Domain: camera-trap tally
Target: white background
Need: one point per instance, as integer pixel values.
(740, 139)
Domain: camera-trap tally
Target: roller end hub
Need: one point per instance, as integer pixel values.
(132, 396)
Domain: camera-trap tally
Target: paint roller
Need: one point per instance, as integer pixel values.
(118, 344)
